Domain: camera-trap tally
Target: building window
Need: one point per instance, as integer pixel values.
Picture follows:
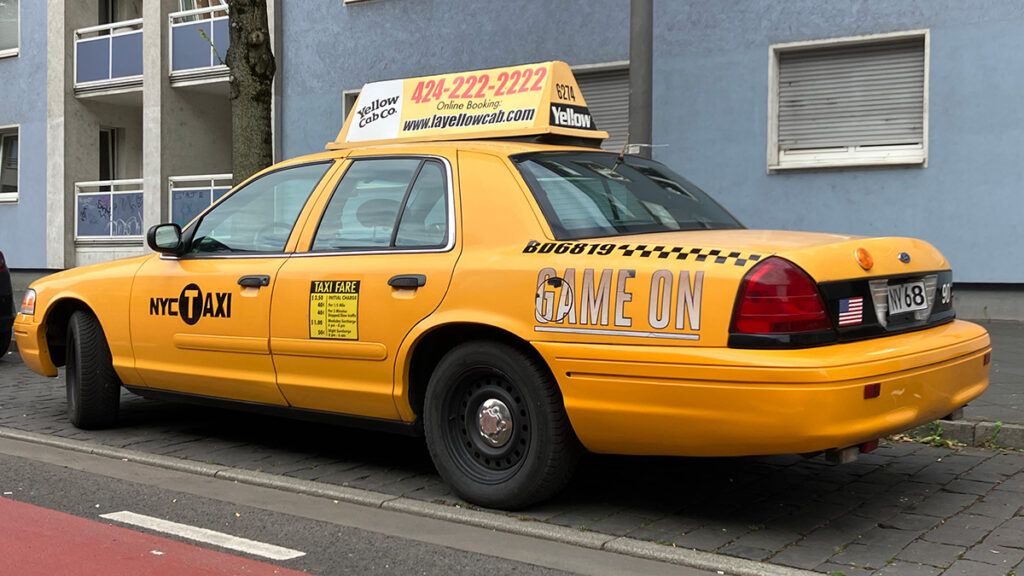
(9, 164)
(849, 102)
(9, 28)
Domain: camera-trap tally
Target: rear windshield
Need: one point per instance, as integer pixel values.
(593, 194)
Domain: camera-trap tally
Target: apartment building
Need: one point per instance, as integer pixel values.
(120, 119)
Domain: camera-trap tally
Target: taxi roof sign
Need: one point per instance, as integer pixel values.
(524, 100)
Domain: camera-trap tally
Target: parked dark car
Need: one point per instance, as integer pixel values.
(6, 306)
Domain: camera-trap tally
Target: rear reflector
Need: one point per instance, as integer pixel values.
(872, 390)
(987, 359)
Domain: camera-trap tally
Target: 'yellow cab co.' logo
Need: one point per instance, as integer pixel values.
(192, 304)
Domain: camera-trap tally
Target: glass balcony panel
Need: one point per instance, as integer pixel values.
(190, 195)
(126, 216)
(94, 215)
(221, 37)
(92, 60)
(191, 50)
(127, 55)
(108, 210)
(187, 204)
(192, 33)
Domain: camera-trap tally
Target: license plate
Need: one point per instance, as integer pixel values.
(907, 297)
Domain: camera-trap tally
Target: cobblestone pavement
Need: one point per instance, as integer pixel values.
(906, 509)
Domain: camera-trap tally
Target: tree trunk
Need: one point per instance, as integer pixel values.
(251, 64)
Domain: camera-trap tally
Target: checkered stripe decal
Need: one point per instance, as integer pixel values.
(661, 252)
(694, 254)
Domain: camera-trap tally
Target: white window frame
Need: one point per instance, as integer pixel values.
(852, 156)
(349, 98)
(16, 130)
(12, 52)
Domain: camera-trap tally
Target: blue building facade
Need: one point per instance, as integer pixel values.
(711, 100)
(23, 114)
(711, 81)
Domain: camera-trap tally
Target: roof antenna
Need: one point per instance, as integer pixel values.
(622, 154)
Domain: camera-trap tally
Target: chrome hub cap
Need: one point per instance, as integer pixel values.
(495, 422)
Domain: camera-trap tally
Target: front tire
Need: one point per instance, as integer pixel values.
(496, 426)
(93, 388)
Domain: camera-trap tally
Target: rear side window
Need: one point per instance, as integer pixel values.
(384, 204)
(594, 194)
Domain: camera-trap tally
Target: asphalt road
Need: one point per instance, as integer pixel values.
(334, 537)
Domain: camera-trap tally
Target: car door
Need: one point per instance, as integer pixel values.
(200, 322)
(377, 262)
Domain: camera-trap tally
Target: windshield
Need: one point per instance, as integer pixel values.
(592, 194)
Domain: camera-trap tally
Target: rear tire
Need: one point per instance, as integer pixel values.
(496, 426)
(93, 388)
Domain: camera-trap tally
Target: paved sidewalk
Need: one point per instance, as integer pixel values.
(907, 508)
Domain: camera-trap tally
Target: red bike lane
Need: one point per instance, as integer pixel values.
(37, 541)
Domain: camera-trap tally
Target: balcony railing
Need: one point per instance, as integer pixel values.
(199, 41)
(190, 195)
(108, 210)
(108, 56)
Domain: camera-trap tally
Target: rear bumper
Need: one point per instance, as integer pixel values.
(31, 339)
(725, 402)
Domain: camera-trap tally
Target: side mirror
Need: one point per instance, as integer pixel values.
(165, 239)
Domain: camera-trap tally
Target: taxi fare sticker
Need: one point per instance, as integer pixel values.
(515, 100)
(334, 309)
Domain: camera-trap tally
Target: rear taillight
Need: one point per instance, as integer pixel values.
(778, 298)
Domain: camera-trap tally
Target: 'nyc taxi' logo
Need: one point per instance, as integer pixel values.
(192, 304)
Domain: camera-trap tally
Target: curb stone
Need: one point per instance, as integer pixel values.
(974, 433)
(471, 517)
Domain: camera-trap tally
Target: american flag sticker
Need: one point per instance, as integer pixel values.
(851, 311)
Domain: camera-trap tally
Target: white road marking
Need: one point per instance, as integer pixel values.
(204, 535)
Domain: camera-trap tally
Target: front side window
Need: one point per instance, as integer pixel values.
(9, 164)
(384, 204)
(594, 194)
(258, 217)
(9, 13)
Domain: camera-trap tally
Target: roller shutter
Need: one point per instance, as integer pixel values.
(852, 96)
(607, 95)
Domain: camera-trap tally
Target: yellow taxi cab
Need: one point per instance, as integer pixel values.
(465, 263)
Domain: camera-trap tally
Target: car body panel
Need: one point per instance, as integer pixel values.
(103, 288)
(353, 372)
(728, 402)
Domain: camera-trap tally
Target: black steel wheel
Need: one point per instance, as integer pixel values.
(496, 426)
(93, 388)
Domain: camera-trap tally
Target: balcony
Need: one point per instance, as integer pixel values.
(108, 212)
(199, 41)
(190, 195)
(108, 58)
